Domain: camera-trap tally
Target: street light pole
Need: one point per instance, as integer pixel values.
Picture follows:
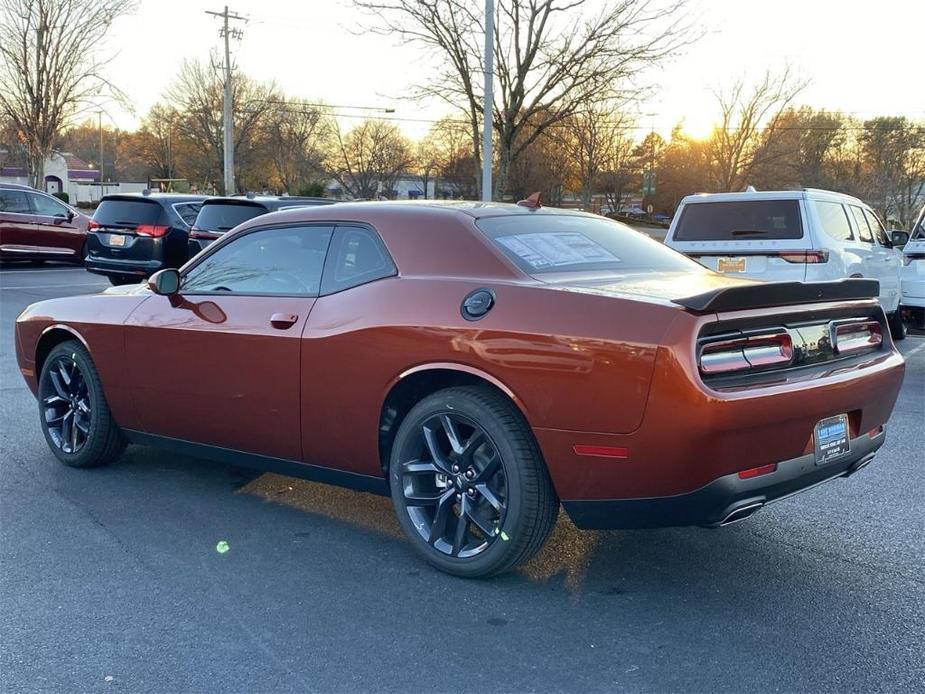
(488, 106)
(100, 114)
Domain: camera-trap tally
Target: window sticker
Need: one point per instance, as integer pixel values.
(554, 249)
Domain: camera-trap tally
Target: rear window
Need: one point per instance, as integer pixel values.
(740, 220)
(128, 213)
(540, 244)
(225, 216)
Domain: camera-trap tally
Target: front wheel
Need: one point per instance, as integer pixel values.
(119, 280)
(897, 326)
(74, 414)
(469, 484)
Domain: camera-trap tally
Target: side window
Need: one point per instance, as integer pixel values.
(47, 206)
(187, 211)
(878, 229)
(864, 233)
(834, 220)
(357, 256)
(14, 201)
(285, 261)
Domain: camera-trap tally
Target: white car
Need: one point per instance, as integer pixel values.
(913, 275)
(805, 235)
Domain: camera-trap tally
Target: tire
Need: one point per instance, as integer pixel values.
(119, 280)
(897, 326)
(69, 383)
(508, 503)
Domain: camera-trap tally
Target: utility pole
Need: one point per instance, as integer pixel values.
(488, 106)
(227, 119)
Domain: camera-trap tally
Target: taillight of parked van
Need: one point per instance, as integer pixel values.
(93, 224)
(746, 353)
(155, 230)
(197, 233)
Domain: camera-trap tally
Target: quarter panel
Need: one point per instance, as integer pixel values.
(571, 360)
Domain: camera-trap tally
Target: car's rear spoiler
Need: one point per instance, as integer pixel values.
(765, 294)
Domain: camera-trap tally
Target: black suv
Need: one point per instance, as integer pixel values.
(133, 236)
(219, 215)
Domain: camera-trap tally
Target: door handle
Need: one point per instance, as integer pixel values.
(283, 321)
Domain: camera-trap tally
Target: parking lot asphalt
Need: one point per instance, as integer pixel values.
(110, 579)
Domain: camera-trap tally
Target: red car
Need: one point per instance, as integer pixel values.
(37, 226)
(479, 363)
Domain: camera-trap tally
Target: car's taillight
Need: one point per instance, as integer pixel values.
(93, 224)
(197, 233)
(745, 353)
(810, 257)
(855, 336)
(155, 230)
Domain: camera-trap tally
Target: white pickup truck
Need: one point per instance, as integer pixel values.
(804, 235)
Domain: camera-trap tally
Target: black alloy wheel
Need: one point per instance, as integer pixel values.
(74, 413)
(65, 402)
(469, 484)
(454, 487)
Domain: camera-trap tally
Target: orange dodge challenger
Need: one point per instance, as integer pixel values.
(480, 363)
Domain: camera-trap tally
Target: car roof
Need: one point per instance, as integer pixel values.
(19, 186)
(165, 198)
(270, 202)
(802, 194)
(469, 208)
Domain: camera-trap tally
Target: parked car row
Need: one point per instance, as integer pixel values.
(808, 235)
(130, 236)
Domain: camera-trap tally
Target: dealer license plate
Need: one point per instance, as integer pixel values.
(831, 438)
(730, 265)
(116, 240)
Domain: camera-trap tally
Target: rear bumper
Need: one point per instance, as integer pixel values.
(108, 266)
(726, 499)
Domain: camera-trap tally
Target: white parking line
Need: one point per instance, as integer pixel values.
(30, 271)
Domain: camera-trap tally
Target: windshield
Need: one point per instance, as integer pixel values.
(542, 244)
(226, 215)
(740, 220)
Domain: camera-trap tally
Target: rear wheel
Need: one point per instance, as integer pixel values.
(75, 416)
(897, 326)
(469, 484)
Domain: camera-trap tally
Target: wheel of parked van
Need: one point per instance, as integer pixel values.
(469, 484)
(75, 416)
(897, 326)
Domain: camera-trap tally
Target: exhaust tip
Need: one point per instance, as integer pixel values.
(740, 513)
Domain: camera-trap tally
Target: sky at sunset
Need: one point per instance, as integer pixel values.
(864, 58)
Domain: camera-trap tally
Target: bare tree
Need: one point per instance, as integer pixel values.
(894, 157)
(551, 58)
(593, 137)
(50, 67)
(295, 140)
(751, 123)
(197, 95)
(369, 159)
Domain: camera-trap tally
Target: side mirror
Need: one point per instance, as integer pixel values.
(165, 282)
(899, 238)
(70, 215)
